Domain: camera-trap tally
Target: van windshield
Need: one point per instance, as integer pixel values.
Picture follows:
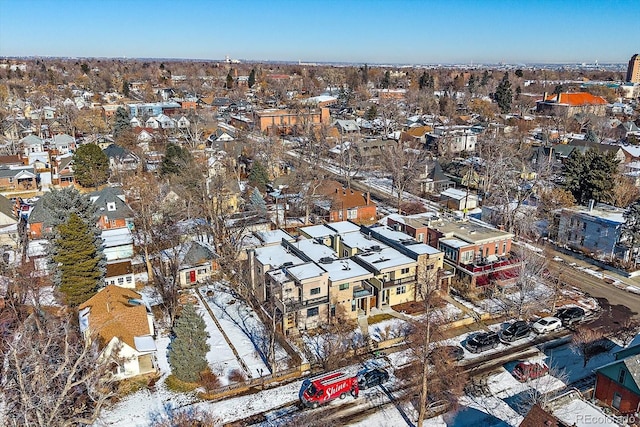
(312, 390)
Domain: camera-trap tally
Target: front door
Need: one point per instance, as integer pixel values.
(385, 296)
(192, 276)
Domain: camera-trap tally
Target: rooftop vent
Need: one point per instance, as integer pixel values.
(326, 260)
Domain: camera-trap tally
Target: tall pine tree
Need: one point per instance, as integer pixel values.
(90, 165)
(188, 353)
(590, 175)
(252, 78)
(503, 95)
(121, 122)
(77, 261)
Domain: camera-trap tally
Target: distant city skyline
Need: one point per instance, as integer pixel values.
(357, 31)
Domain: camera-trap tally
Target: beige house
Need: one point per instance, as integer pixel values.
(123, 323)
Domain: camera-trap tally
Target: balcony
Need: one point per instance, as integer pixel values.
(365, 289)
(399, 282)
(295, 305)
(488, 267)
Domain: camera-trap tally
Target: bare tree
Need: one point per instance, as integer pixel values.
(628, 330)
(404, 164)
(55, 377)
(437, 378)
(184, 417)
(588, 342)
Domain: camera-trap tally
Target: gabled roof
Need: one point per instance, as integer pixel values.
(6, 207)
(31, 140)
(576, 99)
(197, 254)
(108, 196)
(344, 198)
(117, 312)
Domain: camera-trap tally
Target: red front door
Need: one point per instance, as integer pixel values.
(192, 276)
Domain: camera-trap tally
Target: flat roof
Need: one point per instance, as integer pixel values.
(361, 241)
(343, 227)
(345, 269)
(406, 240)
(468, 230)
(386, 259)
(275, 255)
(305, 271)
(455, 243)
(317, 231)
(315, 250)
(273, 236)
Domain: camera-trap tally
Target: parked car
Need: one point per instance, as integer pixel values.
(525, 371)
(570, 315)
(372, 378)
(482, 342)
(515, 331)
(449, 352)
(546, 324)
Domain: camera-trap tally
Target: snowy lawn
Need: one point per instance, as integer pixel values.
(244, 329)
(388, 329)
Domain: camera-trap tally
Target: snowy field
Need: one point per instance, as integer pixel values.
(243, 328)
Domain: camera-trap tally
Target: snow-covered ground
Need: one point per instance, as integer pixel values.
(243, 328)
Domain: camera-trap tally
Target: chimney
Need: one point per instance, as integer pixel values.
(591, 203)
(368, 198)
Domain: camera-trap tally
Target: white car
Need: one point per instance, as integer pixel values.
(546, 324)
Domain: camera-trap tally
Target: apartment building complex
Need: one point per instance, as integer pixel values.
(339, 271)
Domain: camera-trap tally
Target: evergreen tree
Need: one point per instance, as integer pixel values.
(229, 83)
(518, 92)
(121, 122)
(423, 82)
(472, 84)
(631, 227)
(503, 95)
(258, 176)
(590, 175)
(252, 78)
(84, 67)
(77, 261)
(125, 88)
(365, 74)
(256, 201)
(175, 160)
(485, 78)
(558, 89)
(188, 353)
(371, 113)
(590, 136)
(519, 73)
(90, 165)
(386, 80)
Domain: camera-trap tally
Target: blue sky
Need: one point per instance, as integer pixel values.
(359, 31)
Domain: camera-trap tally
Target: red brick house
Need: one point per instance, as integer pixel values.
(618, 383)
(343, 204)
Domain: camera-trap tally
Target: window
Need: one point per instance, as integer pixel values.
(10, 180)
(420, 237)
(621, 376)
(111, 206)
(345, 253)
(617, 400)
(404, 271)
(315, 291)
(504, 248)
(312, 312)
(352, 214)
(333, 310)
(344, 286)
(202, 271)
(120, 280)
(401, 290)
(129, 279)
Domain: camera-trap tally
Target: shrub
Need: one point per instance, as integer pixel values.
(209, 380)
(236, 376)
(175, 384)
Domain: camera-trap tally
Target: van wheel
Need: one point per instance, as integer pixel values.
(343, 395)
(314, 405)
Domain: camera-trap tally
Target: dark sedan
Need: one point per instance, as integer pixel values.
(515, 331)
(482, 342)
(570, 315)
(372, 378)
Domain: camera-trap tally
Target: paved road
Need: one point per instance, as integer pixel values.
(617, 304)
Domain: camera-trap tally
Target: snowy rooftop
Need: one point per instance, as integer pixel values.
(580, 413)
(454, 193)
(273, 236)
(603, 212)
(345, 269)
(344, 227)
(408, 241)
(305, 271)
(454, 243)
(360, 241)
(276, 256)
(317, 231)
(315, 250)
(144, 344)
(117, 237)
(387, 259)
